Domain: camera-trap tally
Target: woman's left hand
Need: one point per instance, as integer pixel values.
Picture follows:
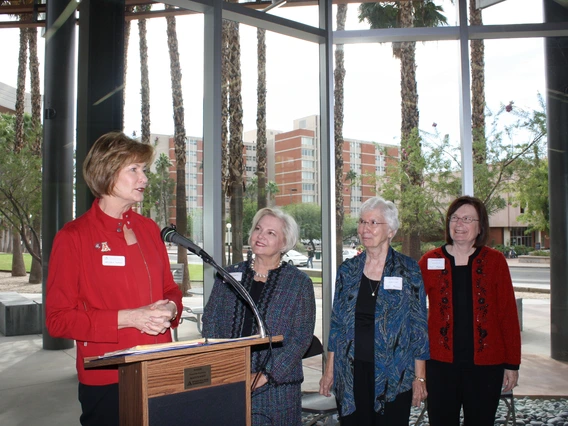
(419, 392)
(510, 380)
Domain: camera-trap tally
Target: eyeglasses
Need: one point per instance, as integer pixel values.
(465, 219)
(371, 224)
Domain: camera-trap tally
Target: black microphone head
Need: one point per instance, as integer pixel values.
(167, 233)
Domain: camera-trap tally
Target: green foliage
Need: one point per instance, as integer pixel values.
(160, 191)
(20, 179)
(545, 253)
(308, 218)
(387, 14)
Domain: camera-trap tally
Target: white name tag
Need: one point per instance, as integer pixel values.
(114, 260)
(237, 275)
(436, 264)
(393, 283)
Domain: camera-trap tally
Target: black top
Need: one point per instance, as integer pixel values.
(255, 291)
(462, 309)
(365, 320)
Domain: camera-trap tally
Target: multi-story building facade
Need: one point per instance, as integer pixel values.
(293, 163)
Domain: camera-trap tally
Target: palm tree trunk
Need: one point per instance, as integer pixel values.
(477, 89)
(339, 77)
(236, 178)
(261, 120)
(224, 128)
(36, 270)
(179, 144)
(21, 90)
(18, 265)
(410, 142)
(128, 9)
(144, 77)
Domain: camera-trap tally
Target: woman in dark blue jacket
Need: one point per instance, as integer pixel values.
(285, 299)
(378, 339)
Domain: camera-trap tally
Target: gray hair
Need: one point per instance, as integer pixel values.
(289, 226)
(387, 209)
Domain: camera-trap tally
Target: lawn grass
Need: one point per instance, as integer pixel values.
(6, 261)
(195, 270)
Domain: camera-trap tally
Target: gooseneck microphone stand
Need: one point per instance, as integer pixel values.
(170, 235)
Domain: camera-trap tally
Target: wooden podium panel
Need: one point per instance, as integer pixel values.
(204, 385)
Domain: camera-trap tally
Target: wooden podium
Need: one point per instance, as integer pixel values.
(201, 384)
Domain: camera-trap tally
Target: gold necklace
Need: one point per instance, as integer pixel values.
(258, 274)
(373, 292)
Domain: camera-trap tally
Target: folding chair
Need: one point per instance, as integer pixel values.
(314, 403)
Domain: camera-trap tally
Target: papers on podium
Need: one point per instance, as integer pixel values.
(171, 346)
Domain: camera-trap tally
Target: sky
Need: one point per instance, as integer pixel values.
(514, 72)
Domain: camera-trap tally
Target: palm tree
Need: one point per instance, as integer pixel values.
(339, 79)
(477, 88)
(261, 119)
(236, 169)
(179, 143)
(36, 266)
(406, 14)
(129, 9)
(224, 126)
(144, 78)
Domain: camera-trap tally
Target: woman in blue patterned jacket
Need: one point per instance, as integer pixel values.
(285, 299)
(378, 339)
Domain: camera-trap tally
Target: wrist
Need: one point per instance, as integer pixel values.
(174, 316)
(420, 379)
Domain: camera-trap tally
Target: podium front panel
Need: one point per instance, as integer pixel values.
(214, 406)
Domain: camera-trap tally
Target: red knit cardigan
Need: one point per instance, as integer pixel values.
(497, 336)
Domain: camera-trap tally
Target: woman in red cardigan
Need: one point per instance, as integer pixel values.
(475, 339)
(109, 285)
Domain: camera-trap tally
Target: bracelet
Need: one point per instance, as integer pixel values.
(176, 313)
(420, 379)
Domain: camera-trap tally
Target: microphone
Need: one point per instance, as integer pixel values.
(170, 235)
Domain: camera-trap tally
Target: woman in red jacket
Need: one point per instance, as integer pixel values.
(109, 285)
(475, 343)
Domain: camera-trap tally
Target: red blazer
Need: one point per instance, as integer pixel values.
(497, 336)
(85, 291)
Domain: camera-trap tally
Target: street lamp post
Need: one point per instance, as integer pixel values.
(229, 240)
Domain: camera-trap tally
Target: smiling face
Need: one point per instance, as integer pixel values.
(130, 184)
(267, 238)
(464, 233)
(373, 231)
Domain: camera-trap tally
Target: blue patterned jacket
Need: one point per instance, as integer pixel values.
(401, 333)
(287, 304)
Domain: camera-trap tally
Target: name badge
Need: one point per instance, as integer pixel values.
(114, 260)
(393, 283)
(436, 264)
(237, 275)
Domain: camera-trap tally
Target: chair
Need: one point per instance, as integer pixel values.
(190, 314)
(506, 397)
(323, 407)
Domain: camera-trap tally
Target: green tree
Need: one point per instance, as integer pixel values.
(160, 191)
(20, 185)
(532, 195)
(308, 218)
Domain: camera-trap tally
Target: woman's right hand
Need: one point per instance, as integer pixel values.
(152, 319)
(326, 382)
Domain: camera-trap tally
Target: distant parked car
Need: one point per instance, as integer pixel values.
(348, 253)
(294, 257)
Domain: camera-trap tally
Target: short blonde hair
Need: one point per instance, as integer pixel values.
(108, 155)
(289, 226)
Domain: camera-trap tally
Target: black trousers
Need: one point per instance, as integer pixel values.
(395, 413)
(99, 405)
(477, 388)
